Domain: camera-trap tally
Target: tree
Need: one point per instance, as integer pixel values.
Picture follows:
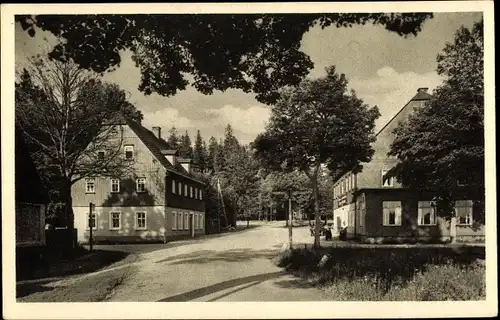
(220, 157)
(67, 117)
(199, 151)
(212, 148)
(319, 122)
(443, 142)
(170, 48)
(185, 147)
(173, 139)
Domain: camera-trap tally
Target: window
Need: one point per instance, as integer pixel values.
(185, 190)
(353, 181)
(426, 213)
(100, 155)
(195, 193)
(202, 225)
(392, 213)
(179, 188)
(174, 220)
(115, 220)
(140, 184)
(387, 181)
(190, 192)
(173, 186)
(195, 221)
(115, 185)
(201, 194)
(90, 186)
(180, 220)
(129, 152)
(186, 221)
(91, 222)
(463, 209)
(140, 220)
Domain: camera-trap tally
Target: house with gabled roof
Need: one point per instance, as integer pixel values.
(370, 205)
(161, 200)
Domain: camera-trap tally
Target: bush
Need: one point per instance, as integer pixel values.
(393, 273)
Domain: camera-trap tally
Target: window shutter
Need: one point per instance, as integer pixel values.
(420, 214)
(385, 216)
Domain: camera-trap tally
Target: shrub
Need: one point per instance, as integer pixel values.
(393, 273)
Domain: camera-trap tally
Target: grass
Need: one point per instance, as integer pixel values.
(407, 274)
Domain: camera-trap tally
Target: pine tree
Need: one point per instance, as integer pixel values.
(211, 152)
(185, 147)
(198, 152)
(173, 139)
(219, 160)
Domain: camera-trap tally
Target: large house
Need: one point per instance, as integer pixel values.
(160, 201)
(374, 207)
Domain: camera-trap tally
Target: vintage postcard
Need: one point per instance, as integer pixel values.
(248, 160)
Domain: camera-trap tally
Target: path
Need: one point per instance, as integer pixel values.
(235, 267)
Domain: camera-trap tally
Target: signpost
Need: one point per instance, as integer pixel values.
(289, 193)
(91, 226)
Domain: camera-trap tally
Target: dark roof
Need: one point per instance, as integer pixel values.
(184, 160)
(169, 152)
(159, 148)
(28, 185)
(421, 95)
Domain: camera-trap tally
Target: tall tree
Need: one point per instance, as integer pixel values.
(318, 122)
(168, 49)
(199, 151)
(211, 152)
(443, 142)
(173, 138)
(67, 117)
(231, 143)
(220, 157)
(185, 146)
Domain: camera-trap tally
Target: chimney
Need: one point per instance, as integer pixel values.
(424, 90)
(157, 132)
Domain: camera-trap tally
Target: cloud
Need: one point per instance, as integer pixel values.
(246, 122)
(390, 90)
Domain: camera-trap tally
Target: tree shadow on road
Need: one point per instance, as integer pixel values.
(210, 256)
(198, 293)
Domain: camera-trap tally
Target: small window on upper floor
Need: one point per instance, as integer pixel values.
(179, 189)
(129, 152)
(140, 184)
(90, 185)
(185, 190)
(173, 186)
(386, 180)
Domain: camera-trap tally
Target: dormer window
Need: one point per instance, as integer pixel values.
(129, 152)
(387, 181)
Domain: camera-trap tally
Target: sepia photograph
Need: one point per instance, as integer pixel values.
(295, 154)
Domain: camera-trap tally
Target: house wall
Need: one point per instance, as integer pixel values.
(183, 201)
(371, 174)
(144, 165)
(158, 227)
(155, 224)
(175, 231)
(373, 223)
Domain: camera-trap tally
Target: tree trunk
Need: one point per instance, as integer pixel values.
(68, 201)
(317, 216)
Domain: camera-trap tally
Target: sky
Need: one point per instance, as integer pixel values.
(383, 68)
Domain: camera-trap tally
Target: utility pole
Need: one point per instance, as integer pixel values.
(290, 217)
(91, 226)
